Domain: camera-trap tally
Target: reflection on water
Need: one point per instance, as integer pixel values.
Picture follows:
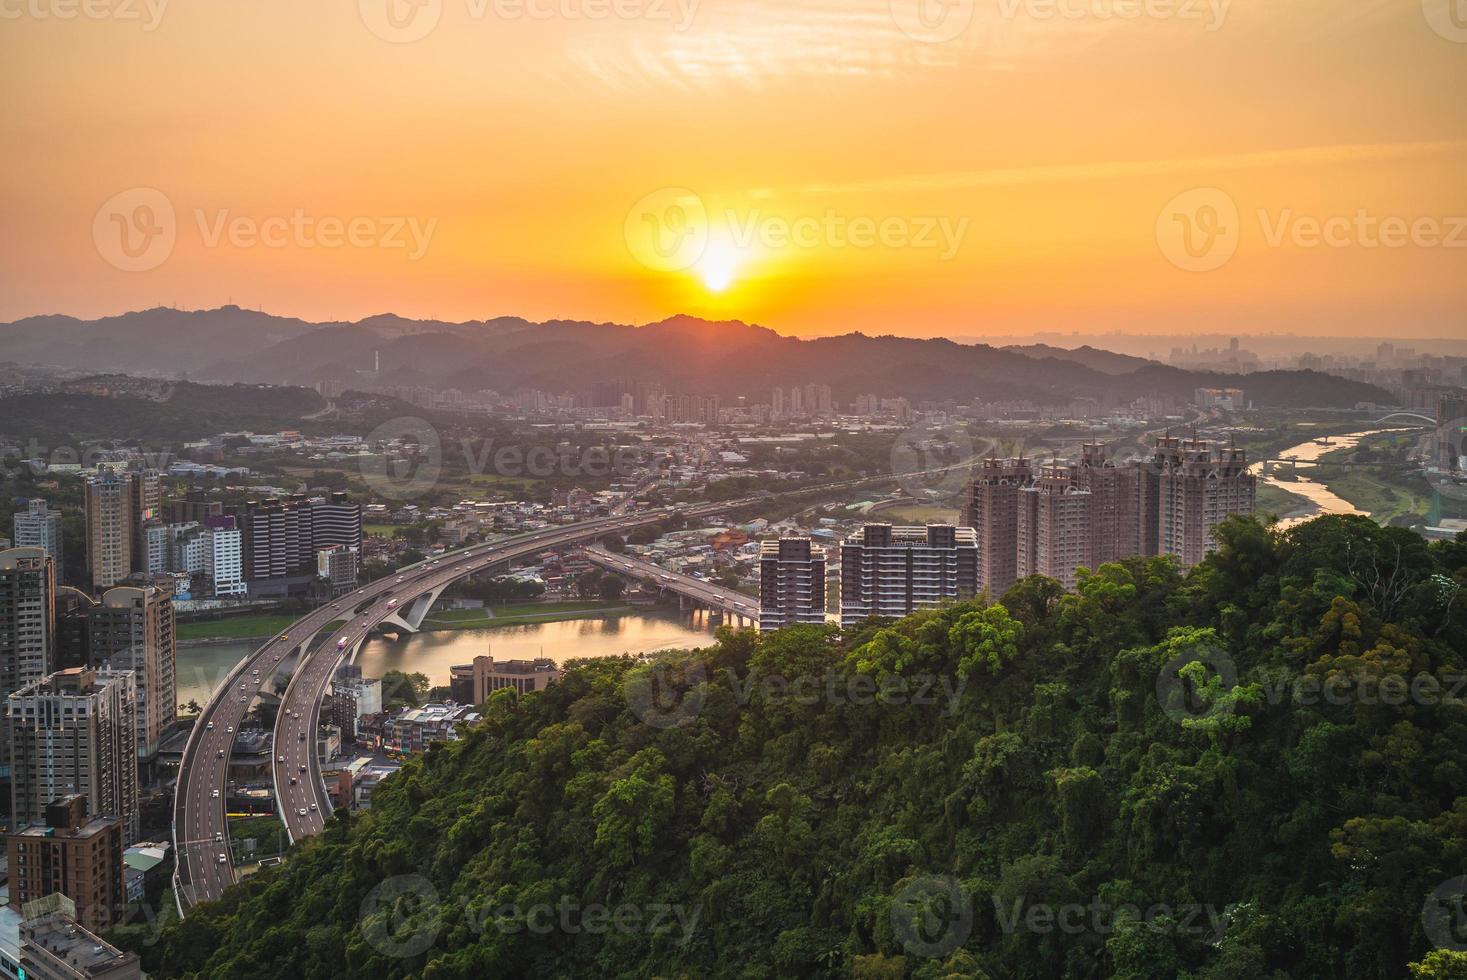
(200, 668)
(1317, 493)
(434, 653)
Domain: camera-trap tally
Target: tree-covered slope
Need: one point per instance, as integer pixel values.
(1256, 770)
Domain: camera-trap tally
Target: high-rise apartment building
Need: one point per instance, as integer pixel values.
(73, 733)
(1451, 433)
(1054, 526)
(27, 627)
(224, 561)
(110, 528)
(1198, 487)
(1115, 505)
(1103, 510)
(791, 583)
(894, 571)
(133, 628)
(280, 538)
(992, 510)
(73, 852)
(38, 526)
(146, 498)
(73, 628)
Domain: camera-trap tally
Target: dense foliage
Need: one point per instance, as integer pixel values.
(1208, 776)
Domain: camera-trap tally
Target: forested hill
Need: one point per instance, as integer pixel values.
(1257, 770)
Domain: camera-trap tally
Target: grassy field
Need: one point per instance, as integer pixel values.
(1279, 503)
(1385, 501)
(381, 530)
(234, 627)
(917, 514)
(240, 627)
(267, 831)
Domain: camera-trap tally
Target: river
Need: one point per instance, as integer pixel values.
(1316, 492)
(199, 668)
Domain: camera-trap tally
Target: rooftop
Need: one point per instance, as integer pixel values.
(63, 938)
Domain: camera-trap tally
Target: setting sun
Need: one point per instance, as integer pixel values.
(719, 266)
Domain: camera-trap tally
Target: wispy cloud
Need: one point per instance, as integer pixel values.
(1119, 170)
(755, 43)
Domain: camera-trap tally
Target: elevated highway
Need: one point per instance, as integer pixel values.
(710, 595)
(304, 802)
(203, 864)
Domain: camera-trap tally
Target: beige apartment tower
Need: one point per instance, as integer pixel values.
(109, 512)
(992, 510)
(1198, 487)
(133, 628)
(1103, 510)
(1054, 526)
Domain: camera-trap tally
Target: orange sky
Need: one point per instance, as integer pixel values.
(995, 166)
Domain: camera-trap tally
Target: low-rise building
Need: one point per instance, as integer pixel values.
(57, 947)
(72, 855)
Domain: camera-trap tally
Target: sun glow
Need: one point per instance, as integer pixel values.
(719, 266)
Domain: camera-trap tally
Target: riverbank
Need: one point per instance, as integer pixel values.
(1328, 491)
(521, 615)
(258, 629)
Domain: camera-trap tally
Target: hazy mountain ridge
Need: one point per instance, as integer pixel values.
(683, 353)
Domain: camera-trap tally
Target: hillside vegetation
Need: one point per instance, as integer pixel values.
(1256, 770)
